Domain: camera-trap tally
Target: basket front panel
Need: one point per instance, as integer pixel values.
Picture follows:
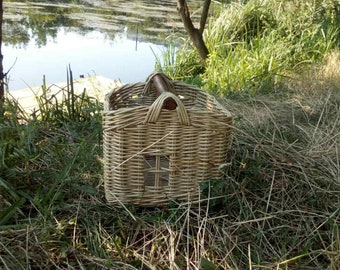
(137, 156)
(121, 169)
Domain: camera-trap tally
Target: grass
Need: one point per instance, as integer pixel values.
(254, 45)
(286, 178)
(276, 208)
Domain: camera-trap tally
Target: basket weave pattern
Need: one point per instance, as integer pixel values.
(153, 155)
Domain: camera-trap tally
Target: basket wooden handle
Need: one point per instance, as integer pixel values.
(160, 88)
(159, 83)
(156, 108)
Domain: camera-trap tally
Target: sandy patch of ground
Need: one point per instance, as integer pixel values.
(97, 87)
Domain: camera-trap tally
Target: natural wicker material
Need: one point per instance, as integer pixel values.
(153, 155)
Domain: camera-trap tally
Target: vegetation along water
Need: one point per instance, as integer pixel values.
(275, 65)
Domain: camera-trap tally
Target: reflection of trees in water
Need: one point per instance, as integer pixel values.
(25, 22)
(38, 20)
(15, 32)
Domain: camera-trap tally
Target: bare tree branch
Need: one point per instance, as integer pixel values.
(183, 10)
(194, 33)
(204, 15)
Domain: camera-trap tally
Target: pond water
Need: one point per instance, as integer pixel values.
(116, 39)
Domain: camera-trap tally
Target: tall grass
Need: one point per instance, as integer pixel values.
(254, 45)
(38, 151)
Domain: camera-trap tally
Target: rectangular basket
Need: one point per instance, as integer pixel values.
(152, 154)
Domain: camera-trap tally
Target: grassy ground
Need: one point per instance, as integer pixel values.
(276, 208)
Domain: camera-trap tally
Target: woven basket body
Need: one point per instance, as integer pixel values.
(153, 155)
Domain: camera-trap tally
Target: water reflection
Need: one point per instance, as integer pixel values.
(89, 55)
(24, 20)
(93, 36)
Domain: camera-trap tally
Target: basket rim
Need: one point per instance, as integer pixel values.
(128, 88)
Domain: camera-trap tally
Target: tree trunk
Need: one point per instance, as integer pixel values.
(196, 35)
(2, 76)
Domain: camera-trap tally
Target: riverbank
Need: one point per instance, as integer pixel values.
(95, 86)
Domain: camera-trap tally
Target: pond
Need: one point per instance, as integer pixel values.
(112, 38)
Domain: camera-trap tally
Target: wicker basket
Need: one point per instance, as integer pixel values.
(160, 146)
